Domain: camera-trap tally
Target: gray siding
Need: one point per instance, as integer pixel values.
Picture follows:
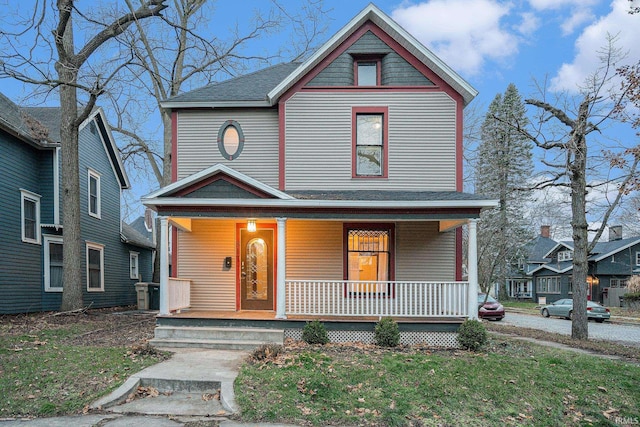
(20, 262)
(423, 253)
(201, 254)
(395, 70)
(198, 147)
(422, 141)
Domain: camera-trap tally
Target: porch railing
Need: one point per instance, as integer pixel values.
(394, 299)
(179, 293)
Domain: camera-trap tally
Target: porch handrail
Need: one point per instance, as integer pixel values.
(179, 293)
(377, 298)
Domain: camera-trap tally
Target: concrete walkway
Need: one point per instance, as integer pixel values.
(195, 386)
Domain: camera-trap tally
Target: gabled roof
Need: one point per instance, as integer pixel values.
(264, 88)
(538, 248)
(218, 169)
(249, 90)
(133, 237)
(14, 120)
(606, 249)
(50, 117)
(399, 34)
(558, 246)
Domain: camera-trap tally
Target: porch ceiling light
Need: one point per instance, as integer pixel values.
(251, 225)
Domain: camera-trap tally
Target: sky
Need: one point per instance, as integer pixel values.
(490, 43)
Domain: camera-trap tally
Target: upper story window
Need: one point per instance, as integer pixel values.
(94, 194)
(565, 256)
(30, 209)
(370, 142)
(637, 258)
(367, 72)
(230, 139)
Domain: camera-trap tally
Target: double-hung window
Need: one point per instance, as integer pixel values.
(134, 270)
(95, 267)
(94, 194)
(369, 258)
(370, 146)
(30, 207)
(53, 266)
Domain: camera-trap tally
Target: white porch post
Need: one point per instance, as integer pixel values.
(164, 265)
(282, 265)
(472, 269)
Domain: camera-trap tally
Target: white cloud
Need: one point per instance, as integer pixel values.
(463, 33)
(530, 23)
(576, 19)
(591, 42)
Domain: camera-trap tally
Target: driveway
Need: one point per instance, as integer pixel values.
(624, 334)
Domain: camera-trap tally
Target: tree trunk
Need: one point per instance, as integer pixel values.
(72, 246)
(577, 169)
(167, 160)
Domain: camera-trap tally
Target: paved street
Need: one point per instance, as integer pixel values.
(625, 334)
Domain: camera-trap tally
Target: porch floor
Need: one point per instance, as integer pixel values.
(270, 315)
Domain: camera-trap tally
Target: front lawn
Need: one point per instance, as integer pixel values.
(54, 365)
(510, 383)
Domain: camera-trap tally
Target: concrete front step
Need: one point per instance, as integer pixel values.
(229, 338)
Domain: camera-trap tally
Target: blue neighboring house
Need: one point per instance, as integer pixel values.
(548, 270)
(115, 256)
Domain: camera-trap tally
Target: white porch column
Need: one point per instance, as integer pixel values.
(282, 267)
(164, 265)
(472, 269)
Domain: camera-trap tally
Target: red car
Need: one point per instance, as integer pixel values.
(491, 309)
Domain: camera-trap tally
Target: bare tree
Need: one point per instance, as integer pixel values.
(74, 71)
(186, 52)
(563, 132)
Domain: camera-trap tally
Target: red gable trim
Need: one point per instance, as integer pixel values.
(404, 53)
(242, 185)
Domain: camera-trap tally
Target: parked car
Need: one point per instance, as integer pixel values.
(489, 308)
(564, 308)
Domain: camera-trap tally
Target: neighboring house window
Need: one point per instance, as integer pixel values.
(230, 140)
(367, 72)
(565, 256)
(618, 283)
(637, 258)
(30, 216)
(95, 267)
(570, 285)
(134, 271)
(548, 285)
(369, 259)
(94, 194)
(370, 142)
(53, 264)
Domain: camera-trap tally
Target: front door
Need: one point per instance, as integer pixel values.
(256, 269)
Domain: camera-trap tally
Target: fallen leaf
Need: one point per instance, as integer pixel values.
(602, 389)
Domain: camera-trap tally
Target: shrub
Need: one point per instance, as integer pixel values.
(633, 285)
(315, 333)
(472, 335)
(387, 333)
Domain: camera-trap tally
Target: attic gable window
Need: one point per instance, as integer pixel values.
(370, 131)
(367, 72)
(230, 140)
(565, 256)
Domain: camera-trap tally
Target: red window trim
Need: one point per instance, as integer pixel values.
(364, 58)
(389, 226)
(385, 140)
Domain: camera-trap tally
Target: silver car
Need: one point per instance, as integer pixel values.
(564, 308)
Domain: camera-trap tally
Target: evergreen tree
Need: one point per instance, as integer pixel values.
(503, 168)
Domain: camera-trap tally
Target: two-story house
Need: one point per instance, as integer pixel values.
(325, 189)
(547, 275)
(31, 253)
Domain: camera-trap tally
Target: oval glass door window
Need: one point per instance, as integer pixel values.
(230, 140)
